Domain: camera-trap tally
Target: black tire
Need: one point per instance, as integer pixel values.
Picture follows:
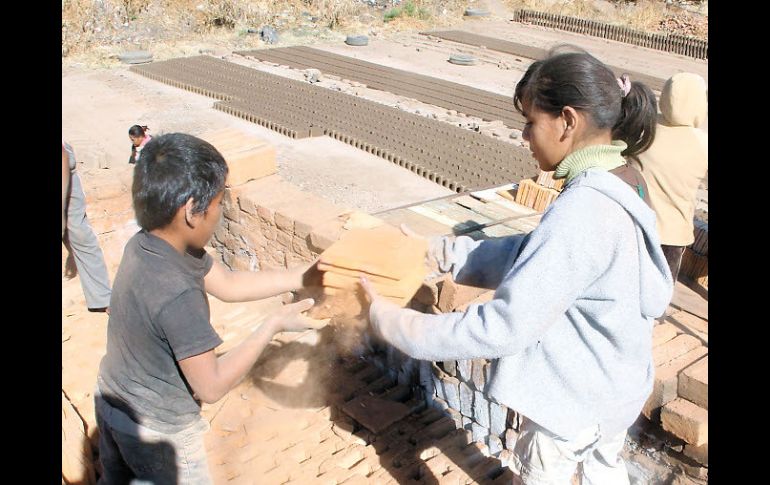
(135, 57)
(476, 12)
(357, 40)
(462, 59)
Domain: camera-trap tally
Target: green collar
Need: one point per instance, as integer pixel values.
(605, 157)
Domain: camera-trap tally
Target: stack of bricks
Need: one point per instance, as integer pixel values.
(270, 223)
(459, 389)
(695, 260)
(679, 400)
(248, 157)
(539, 193)
(392, 261)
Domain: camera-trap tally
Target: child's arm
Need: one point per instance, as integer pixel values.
(65, 183)
(476, 263)
(561, 259)
(235, 286)
(212, 377)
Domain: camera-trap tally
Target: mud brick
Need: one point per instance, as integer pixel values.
(478, 374)
(495, 445)
(663, 333)
(686, 420)
(665, 387)
(497, 418)
(455, 416)
(266, 215)
(480, 432)
(450, 367)
(466, 400)
(698, 453)
(674, 348)
(453, 295)
(465, 370)
(481, 409)
(510, 438)
(230, 208)
(451, 388)
(694, 383)
(251, 164)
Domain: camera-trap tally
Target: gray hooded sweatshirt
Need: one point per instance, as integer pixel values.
(570, 324)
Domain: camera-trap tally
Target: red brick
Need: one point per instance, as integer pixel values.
(454, 295)
(686, 421)
(694, 383)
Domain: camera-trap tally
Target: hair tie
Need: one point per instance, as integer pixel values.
(625, 84)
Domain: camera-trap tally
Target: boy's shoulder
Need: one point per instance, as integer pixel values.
(159, 272)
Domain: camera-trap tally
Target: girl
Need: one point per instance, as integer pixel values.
(570, 325)
(139, 138)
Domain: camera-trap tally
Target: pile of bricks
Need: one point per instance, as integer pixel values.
(679, 400)
(540, 192)
(453, 157)
(459, 389)
(695, 260)
(260, 209)
(248, 157)
(270, 221)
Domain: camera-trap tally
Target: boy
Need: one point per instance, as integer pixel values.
(160, 361)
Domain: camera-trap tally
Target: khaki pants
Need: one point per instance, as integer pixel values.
(542, 458)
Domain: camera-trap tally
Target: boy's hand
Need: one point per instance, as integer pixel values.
(290, 318)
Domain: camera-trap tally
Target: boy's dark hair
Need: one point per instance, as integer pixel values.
(137, 130)
(579, 80)
(171, 169)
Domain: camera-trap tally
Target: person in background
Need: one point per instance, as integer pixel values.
(139, 138)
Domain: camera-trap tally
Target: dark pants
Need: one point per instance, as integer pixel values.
(134, 454)
(673, 255)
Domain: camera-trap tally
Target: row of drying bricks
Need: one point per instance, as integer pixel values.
(201, 83)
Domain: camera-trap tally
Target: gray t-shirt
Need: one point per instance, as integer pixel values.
(159, 314)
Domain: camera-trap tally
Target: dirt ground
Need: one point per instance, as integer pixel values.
(99, 105)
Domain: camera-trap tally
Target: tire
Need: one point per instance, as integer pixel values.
(462, 59)
(357, 40)
(135, 57)
(476, 12)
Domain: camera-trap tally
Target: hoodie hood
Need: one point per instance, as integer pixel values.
(656, 283)
(684, 100)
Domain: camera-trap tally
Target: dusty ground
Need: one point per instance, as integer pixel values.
(100, 104)
(99, 107)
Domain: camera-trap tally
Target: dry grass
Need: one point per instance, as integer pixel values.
(645, 15)
(87, 24)
(94, 32)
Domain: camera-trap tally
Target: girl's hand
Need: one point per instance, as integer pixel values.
(371, 293)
